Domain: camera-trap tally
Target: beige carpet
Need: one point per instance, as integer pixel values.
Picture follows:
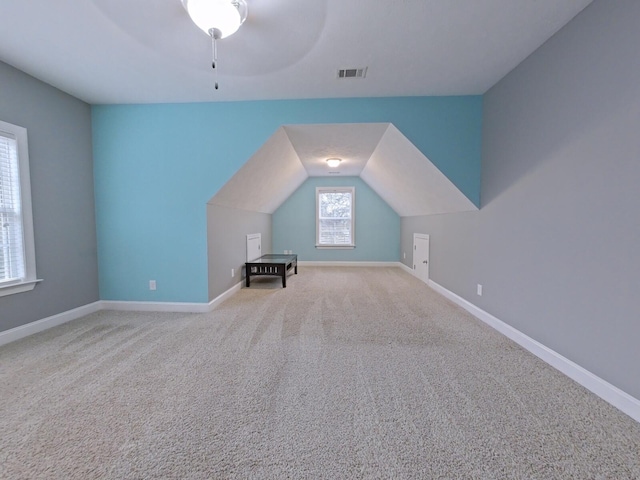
(346, 373)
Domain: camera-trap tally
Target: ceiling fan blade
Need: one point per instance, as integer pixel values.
(276, 34)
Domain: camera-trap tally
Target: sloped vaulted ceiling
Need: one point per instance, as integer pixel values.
(266, 180)
(376, 152)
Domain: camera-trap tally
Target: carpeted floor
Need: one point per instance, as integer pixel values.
(346, 373)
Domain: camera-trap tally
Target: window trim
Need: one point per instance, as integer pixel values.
(30, 278)
(352, 191)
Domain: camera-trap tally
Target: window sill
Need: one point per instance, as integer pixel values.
(335, 247)
(21, 287)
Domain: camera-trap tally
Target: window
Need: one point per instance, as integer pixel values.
(17, 253)
(335, 217)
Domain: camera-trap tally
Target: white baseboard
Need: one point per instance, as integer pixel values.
(173, 307)
(406, 269)
(346, 264)
(225, 295)
(23, 331)
(609, 393)
(46, 323)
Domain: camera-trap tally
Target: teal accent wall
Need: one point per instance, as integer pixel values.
(377, 224)
(156, 166)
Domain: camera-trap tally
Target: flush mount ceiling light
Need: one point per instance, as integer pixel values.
(333, 162)
(217, 18)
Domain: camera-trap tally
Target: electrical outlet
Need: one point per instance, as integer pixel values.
(233, 272)
(479, 290)
(404, 255)
(152, 284)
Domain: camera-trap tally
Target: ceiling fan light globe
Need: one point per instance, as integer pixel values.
(226, 16)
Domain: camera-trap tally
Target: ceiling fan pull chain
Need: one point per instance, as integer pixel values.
(214, 62)
(214, 48)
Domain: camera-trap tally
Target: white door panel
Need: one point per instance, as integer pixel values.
(254, 246)
(421, 256)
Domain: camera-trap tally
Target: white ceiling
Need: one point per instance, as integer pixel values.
(149, 51)
(408, 181)
(393, 167)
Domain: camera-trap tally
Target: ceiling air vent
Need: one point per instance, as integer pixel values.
(352, 72)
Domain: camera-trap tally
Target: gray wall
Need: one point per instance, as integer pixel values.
(59, 131)
(227, 230)
(555, 243)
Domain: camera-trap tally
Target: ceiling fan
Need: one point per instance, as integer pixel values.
(218, 19)
(275, 34)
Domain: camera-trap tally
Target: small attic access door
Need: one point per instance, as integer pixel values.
(421, 256)
(254, 246)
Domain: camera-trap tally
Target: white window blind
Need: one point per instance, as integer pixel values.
(17, 246)
(12, 264)
(335, 217)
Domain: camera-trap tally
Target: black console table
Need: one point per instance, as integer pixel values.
(272, 264)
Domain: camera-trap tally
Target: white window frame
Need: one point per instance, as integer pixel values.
(29, 281)
(352, 191)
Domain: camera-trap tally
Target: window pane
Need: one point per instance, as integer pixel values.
(335, 232)
(335, 205)
(12, 265)
(335, 222)
(11, 252)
